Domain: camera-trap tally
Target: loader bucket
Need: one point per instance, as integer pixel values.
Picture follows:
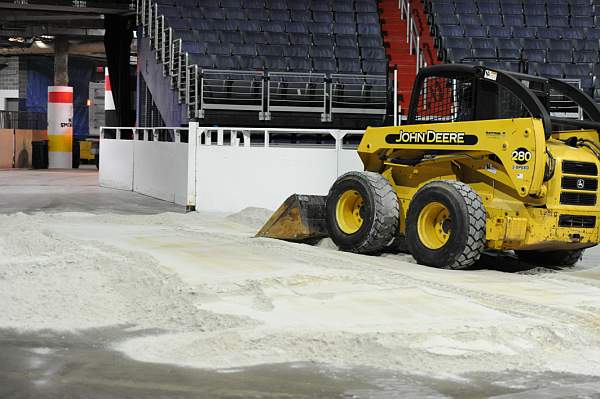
(301, 218)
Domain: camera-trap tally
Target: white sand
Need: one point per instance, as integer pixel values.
(224, 299)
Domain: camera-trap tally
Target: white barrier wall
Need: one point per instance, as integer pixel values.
(155, 168)
(222, 170)
(116, 164)
(160, 170)
(231, 178)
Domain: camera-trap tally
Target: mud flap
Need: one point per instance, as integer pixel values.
(301, 218)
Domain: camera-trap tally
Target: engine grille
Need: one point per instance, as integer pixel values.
(579, 168)
(581, 199)
(576, 183)
(586, 222)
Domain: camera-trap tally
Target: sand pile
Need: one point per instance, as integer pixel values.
(218, 298)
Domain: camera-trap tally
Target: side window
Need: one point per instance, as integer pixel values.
(443, 99)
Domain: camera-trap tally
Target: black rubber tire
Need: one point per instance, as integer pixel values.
(467, 214)
(381, 213)
(562, 258)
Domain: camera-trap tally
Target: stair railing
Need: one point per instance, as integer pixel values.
(413, 37)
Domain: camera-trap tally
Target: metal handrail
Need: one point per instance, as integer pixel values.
(413, 37)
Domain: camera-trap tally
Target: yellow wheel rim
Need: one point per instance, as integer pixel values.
(434, 225)
(348, 211)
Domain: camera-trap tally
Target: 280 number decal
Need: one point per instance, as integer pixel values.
(521, 156)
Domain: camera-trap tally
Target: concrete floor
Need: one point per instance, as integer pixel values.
(84, 364)
(74, 190)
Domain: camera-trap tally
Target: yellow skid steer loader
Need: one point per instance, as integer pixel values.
(487, 160)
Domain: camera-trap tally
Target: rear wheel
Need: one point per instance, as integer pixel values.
(363, 212)
(565, 258)
(445, 225)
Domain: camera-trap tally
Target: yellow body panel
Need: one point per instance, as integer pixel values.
(505, 162)
(85, 150)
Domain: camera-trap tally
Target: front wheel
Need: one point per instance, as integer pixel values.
(363, 212)
(565, 258)
(445, 225)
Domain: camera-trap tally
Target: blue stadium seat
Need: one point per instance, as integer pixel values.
(341, 5)
(370, 41)
(367, 18)
(321, 52)
(534, 9)
(269, 50)
(555, 44)
(344, 29)
(302, 15)
(255, 38)
(475, 31)
(349, 65)
(296, 51)
(457, 54)
(488, 7)
(484, 52)
(564, 56)
(583, 10)
(319, 28)
(374, 67)
(319, 5)
(323, 16)
(207, 36)
(574, 34)
(229, 37)
(278, 38)
(243, 49)
(592, 34)
(500, 31)
(213, 13)
(277, 5)
(534, 44)
(278, 15)
(513, 20)
(549, 33)
(450, 31)
(218, 49)
(231, 4)
(253, 4)
(298, 5)
(193, 47)
(346, 40)
(258, 14)
(458, 42)
(442, 8)
(368, 29)
(555, 10)
(344, 17)
(273, 27)
(491, 19)
(248, 26)
(477, 42)
(582, 22)
(585, 56)
(275, 64)
(468, 19)
(299, 38)
(234, 13)
(512, 9)
(534, 55)
(509, 53)
(465, 8)
(324, 65)
(561, 21)
(298, 64)
(536, 20)
(550, 70)
(521, 32)
(225, 62)
(508, 44)
(446, 19)
(229, 24)
(372, 53)
(582, 45)
(345, 52)
(202, 60)
(366, 6)
(322, 40)
(296, 27)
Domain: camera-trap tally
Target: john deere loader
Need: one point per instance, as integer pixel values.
(488, 160)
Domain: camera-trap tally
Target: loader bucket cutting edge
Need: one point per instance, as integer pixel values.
(301, 218)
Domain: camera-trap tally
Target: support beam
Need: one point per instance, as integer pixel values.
(61, 62)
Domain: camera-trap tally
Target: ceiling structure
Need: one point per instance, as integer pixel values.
(32, 26)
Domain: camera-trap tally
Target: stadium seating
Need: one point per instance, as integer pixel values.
(320, 37)
(556, 38)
